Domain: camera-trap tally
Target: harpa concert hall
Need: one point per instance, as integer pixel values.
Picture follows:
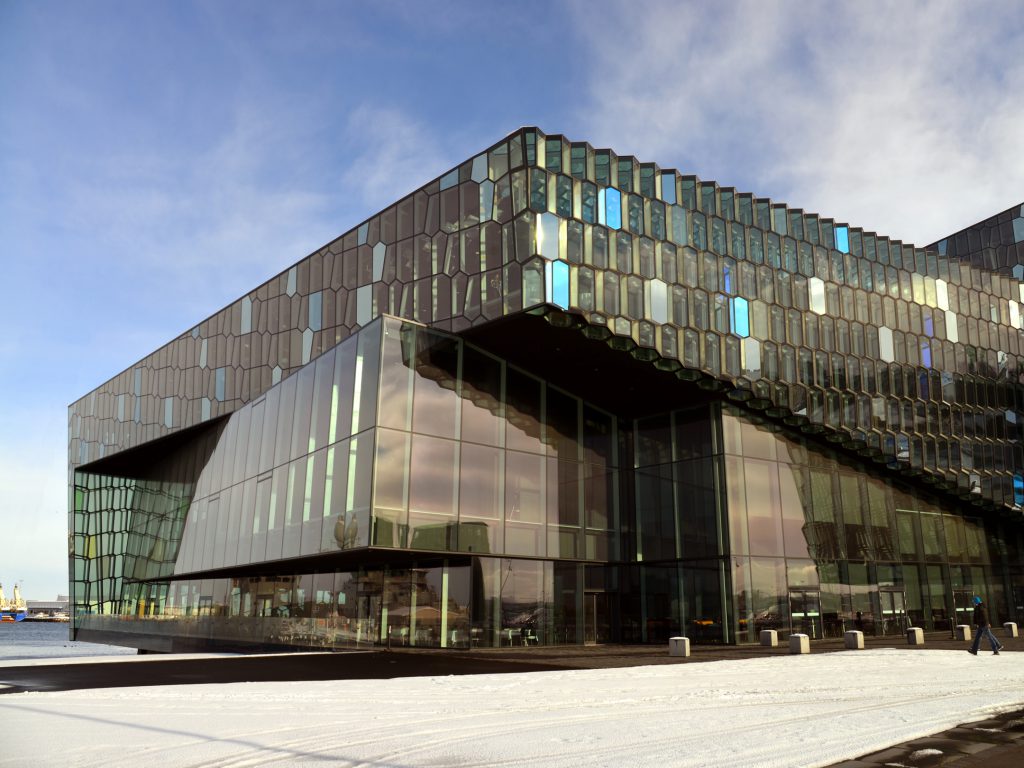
(560, 396)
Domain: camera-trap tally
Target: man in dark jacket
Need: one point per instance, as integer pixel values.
(981, 622)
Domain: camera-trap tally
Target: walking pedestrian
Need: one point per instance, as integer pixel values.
(981, 622)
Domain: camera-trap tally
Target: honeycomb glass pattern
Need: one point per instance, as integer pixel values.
(904, 360)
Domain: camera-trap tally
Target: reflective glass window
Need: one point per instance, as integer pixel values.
(523, 411)
(612, 208)
(842, 236)
(525, 502)
(700, 231)
(301, 414)
(547, 235)
(435, 402)
(680, 228)
(588, 207)
(739, 316)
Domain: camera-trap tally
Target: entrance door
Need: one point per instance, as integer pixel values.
(894, 613)
(963, 607)
(805, 610)
(1017, 590)
(595, 618)
(384, 608)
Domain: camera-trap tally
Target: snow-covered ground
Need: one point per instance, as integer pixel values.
(774, 711)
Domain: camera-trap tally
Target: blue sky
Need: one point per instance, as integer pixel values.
(159, 159)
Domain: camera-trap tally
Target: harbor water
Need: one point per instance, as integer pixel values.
(47, 640)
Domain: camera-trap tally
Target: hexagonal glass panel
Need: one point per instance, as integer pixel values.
(885, 345)
(751, 358)
(379, 250)
(364, 304)
(941, 294)
(739, 317)
(816, 294)
(657, 301)
(952, 332)
(547, 236)
(479, 172)
(558, 282)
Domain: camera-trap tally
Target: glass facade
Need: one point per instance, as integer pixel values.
(996, 243)
(561, 396)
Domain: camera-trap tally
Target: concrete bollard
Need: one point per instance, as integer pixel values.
(679, 646)
(854, 639)
(799, 643)
(963, 631)
(915, 636)
(1011, 628)
(769, 638)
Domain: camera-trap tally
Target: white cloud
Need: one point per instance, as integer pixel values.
(395, 155)
(898, 117)
(244, 200)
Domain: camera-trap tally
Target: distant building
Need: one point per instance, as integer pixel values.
(50, 607)
(561, 396)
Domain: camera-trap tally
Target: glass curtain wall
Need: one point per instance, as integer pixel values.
(449, 603)
(399, 438)
(821, 545)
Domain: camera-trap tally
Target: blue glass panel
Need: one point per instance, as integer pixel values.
(613, 208)
(600, 206)
(929, 325)
(843, 239)
(926, 353)
(668, 188)
(1018, 490)
(560, 284)
(739, 311)
(1018, 229)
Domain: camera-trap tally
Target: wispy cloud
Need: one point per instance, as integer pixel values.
(392, 155)
(213, 210)
(899, 117)
(154, 238)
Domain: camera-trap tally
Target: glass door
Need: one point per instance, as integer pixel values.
(595, 618)
(1017, 591)
(394, 608)
(805, 610)
(370, 600)
(894, 613)
(963, 607)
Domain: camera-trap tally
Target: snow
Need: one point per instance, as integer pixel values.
(812, 710)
